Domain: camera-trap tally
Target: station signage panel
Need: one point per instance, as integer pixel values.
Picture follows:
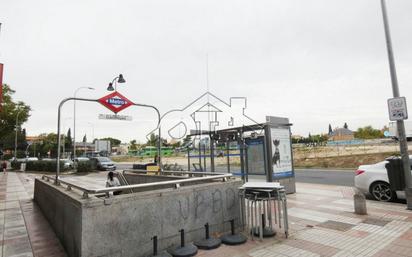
(115, 102)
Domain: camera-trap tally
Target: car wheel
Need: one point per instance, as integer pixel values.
(381, 191)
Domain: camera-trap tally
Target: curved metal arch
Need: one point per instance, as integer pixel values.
(159, 144)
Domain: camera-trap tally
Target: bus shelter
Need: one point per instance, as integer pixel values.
(264, 152)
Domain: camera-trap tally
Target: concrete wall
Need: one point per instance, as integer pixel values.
(124, 224)
(63, 211)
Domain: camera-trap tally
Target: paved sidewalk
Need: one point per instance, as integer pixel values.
(322, 223)
(23, 229)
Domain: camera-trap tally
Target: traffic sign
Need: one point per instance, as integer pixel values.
(397, 109)
(115, 102)
(114, 117)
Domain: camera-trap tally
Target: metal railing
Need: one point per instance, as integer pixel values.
(176, 183)
(171, 172)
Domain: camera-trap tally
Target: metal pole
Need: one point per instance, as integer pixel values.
(204, 156)
(228, 157)
(242, 161)
(74, 131)
(15, 137)
(400, 125)
(58, 132)
(188, 159)
(74, 121)
(200, 156)
(212, 155)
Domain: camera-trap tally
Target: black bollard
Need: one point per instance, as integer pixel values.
(154, 245)
(182, 238)
(183, 250)
(233, 238)
(208, 243)
(207, 230)
(163, 254)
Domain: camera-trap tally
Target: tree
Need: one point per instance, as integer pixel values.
(68, 141)
(113, 141)
(152, 140)
(8, 117)
(368, 133)
(47, 143)
(84, 138)
(133, 145)
(345, 125)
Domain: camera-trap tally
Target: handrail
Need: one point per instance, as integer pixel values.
(69, 185)
(176, 183)
(177, 172)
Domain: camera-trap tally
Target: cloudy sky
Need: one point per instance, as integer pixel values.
(314, 61)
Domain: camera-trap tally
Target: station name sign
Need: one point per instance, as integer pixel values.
(115, 117)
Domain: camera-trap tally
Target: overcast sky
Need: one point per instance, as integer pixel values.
(314, 61)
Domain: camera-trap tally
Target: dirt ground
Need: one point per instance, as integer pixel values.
(348, 161)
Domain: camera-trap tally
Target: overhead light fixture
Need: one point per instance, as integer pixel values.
(110, 87)
(121, 79)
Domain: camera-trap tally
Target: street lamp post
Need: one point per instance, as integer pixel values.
(400, 125)
(15, 137)
(74, 119)
(118, 79)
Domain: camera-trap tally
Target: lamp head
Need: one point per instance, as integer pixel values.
(110, 87)
(121, 79)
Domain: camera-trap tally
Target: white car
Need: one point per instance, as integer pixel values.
(373, 179)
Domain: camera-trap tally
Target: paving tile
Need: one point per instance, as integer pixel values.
(340, 226)
(15, 232)
(18, 246)
(374, 221)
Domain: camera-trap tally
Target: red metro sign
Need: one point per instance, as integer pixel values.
(115, 102)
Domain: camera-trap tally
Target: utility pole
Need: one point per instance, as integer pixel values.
(400, 125)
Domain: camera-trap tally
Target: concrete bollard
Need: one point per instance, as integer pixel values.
(359, 203)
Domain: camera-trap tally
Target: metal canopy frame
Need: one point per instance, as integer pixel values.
(159, 143)
(226, 135)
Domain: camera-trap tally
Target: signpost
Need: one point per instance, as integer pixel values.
(403, 145)
(397, 108)
(115, 102)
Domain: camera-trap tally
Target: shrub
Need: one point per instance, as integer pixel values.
(40, 166)
(84, 166)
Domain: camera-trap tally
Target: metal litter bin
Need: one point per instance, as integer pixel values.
(396, 176)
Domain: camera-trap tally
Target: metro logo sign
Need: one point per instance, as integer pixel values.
(115, 102)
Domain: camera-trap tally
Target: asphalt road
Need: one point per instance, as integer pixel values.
(325, 176)
(316, 176)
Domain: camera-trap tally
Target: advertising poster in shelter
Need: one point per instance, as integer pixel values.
(281, 153)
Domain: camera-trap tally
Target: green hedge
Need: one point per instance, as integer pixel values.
(84, 166)
(40, 166)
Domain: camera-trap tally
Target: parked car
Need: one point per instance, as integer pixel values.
(67, 163)
(373, 180)
(81, 159)
(27, 159)
(103, 163)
